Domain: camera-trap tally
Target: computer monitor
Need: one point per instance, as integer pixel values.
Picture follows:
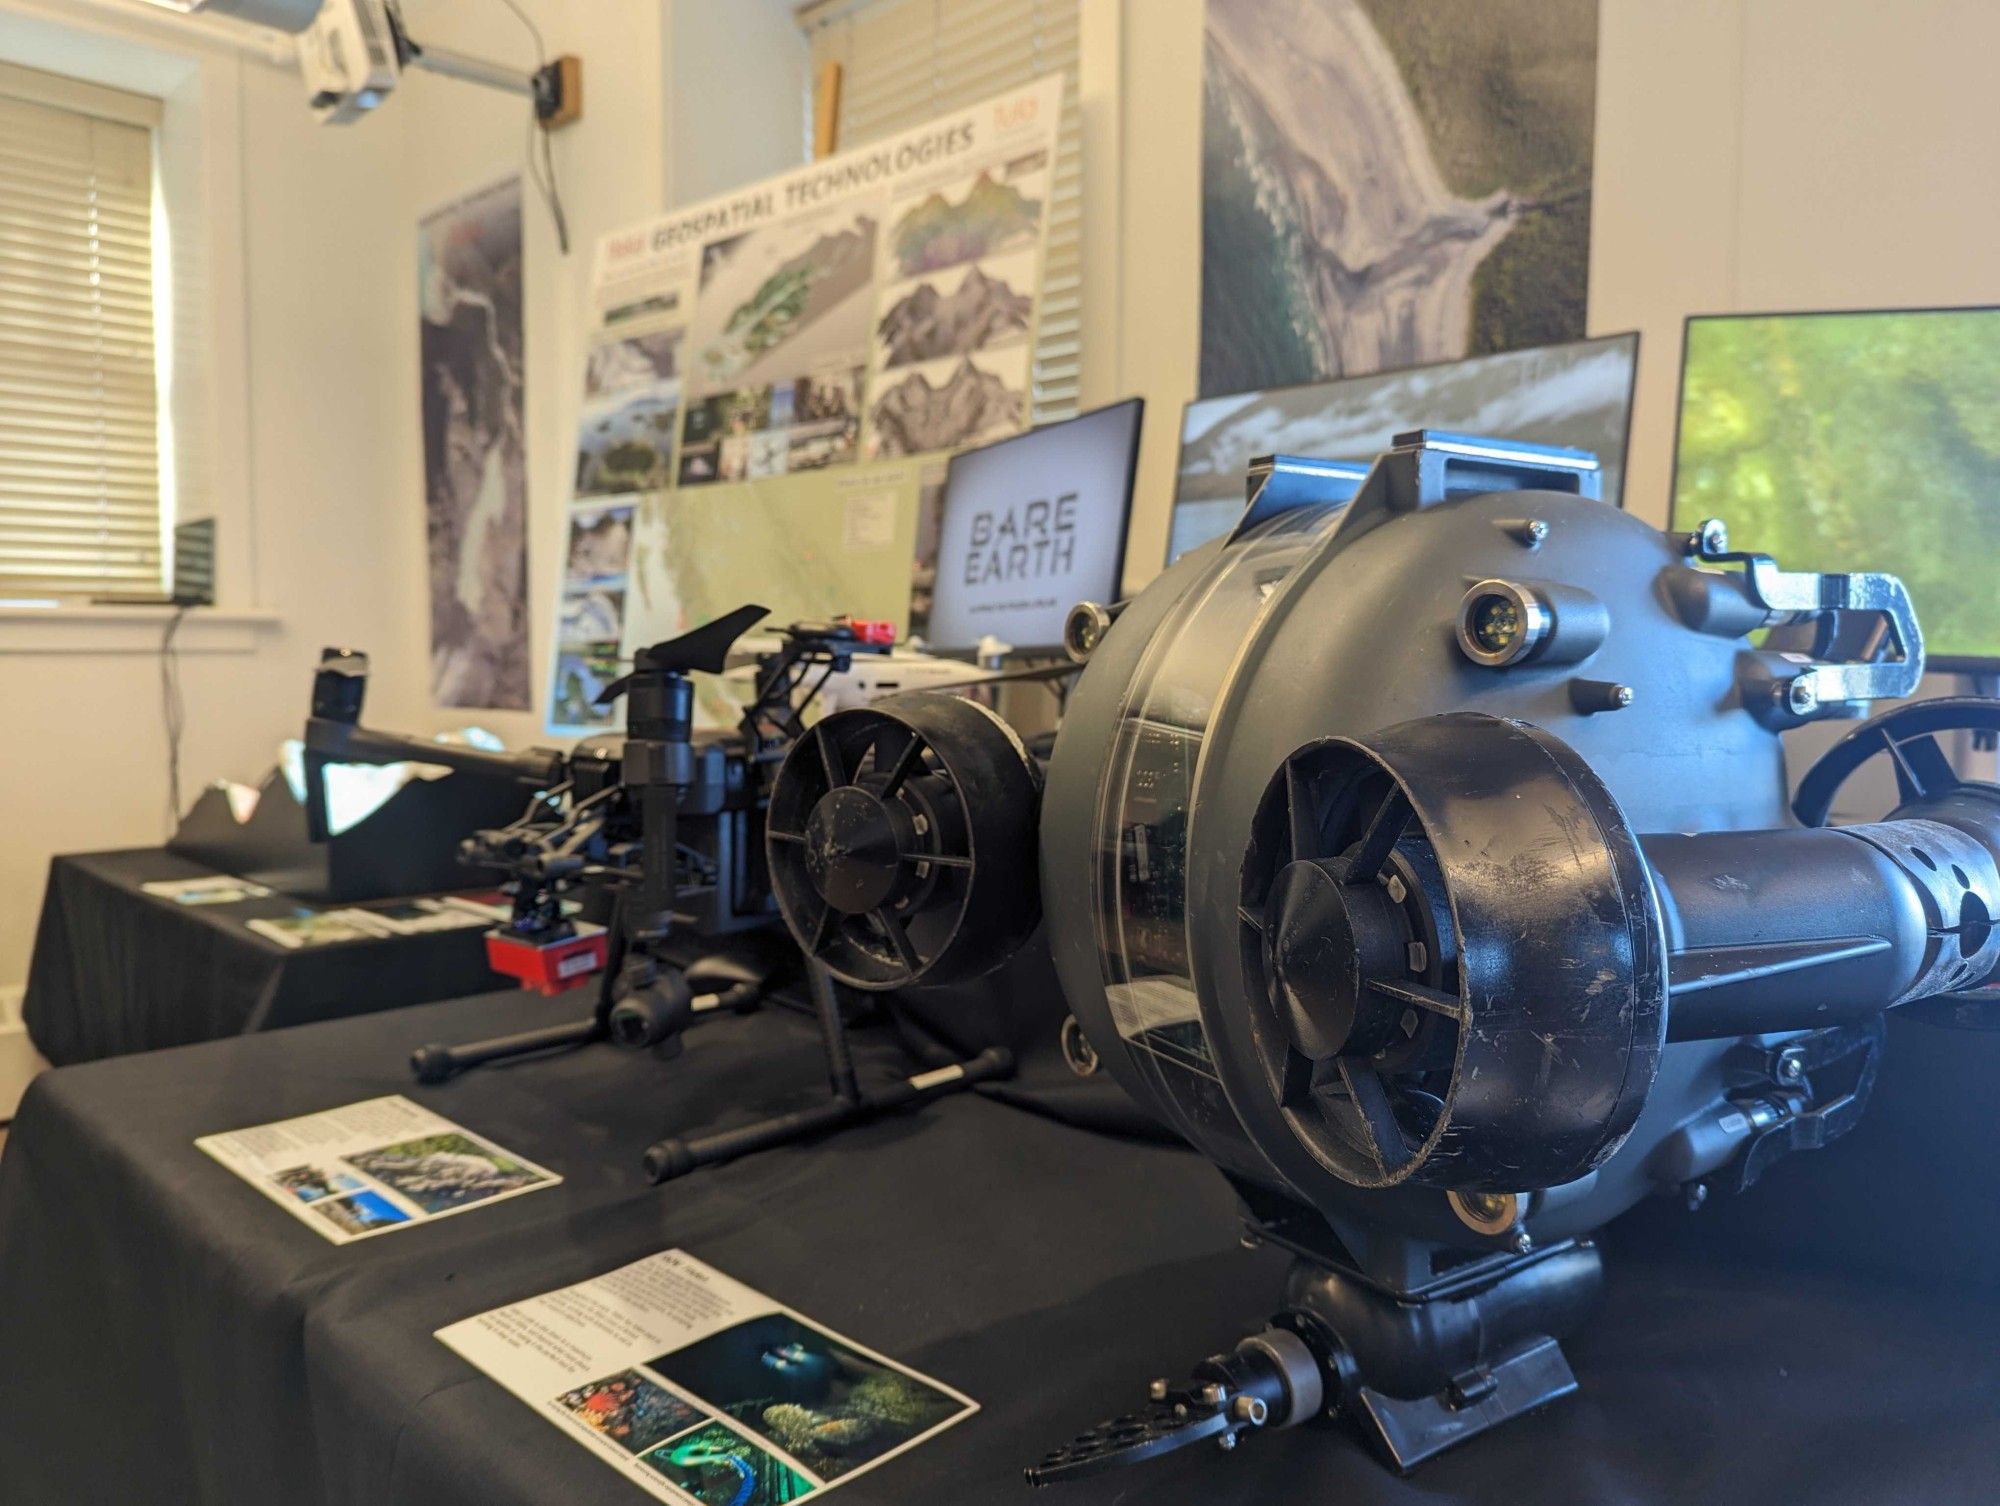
(1028, 527)
(1577, 395)
(1855, 441)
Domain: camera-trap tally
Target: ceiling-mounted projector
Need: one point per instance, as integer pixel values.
(352, 53)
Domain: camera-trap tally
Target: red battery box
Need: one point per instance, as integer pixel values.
(549, 967)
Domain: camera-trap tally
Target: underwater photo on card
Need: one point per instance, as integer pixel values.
(824, 1402)
(632, 1410)
(722, 1468)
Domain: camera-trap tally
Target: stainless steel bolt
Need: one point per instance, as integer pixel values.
(1250, 1409)
(1711, 538)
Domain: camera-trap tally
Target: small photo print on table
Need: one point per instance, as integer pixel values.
(373, 1167)
(823, 1402)
(212, 889)
(305, 928)
(632, 1410)
(719, 1467)
(361, 1213)
(442, 1172)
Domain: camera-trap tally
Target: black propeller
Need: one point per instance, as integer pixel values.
(705, 649)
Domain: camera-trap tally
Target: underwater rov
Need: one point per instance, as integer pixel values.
(1425, 860)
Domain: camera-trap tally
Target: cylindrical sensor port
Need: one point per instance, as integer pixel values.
(1505, 622)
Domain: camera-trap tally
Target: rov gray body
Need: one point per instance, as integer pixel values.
(1340, 620)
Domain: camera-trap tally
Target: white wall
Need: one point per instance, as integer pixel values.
(1750, 153)
(736, 95)
(317, 463)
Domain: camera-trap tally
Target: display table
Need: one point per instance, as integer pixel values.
(117, 970)
(173, 1336)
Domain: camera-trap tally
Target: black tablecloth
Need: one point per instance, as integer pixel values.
(170, 1335)
(117, 970)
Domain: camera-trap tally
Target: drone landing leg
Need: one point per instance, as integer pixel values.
(439, 1063)
(847, 1103)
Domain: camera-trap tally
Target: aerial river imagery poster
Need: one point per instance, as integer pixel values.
(775, 376)
(475, 469)
(1387, 183)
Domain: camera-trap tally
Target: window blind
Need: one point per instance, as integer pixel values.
(79, 426)
(904, 61)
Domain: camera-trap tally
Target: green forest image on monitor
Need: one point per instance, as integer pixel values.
(1855, 442)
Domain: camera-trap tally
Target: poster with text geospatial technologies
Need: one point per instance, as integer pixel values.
(776, 376)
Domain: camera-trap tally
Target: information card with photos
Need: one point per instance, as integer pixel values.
(698, 1388)
(373, 1167)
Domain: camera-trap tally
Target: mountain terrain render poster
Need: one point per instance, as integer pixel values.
(475, 457)
(1387, 183)
(775, 377)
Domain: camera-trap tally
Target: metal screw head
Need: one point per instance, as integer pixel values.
(1534, 531)
(1520, 1244)
(1697, 1194)
(1800, 696)
(1621, 695)
(1225, 1441)
(1077, 1051)
(1791, 1067)
(1711, 538)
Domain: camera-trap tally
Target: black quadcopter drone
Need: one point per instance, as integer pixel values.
(662, 834)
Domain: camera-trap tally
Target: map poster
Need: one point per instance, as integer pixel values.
(773, 376)
(475, 457)
(1389, 183)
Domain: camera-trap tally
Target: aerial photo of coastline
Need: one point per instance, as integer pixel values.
(1387, 184)
(1579, 395)
(475, 459)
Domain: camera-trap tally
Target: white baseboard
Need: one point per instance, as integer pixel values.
(18, 1058)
